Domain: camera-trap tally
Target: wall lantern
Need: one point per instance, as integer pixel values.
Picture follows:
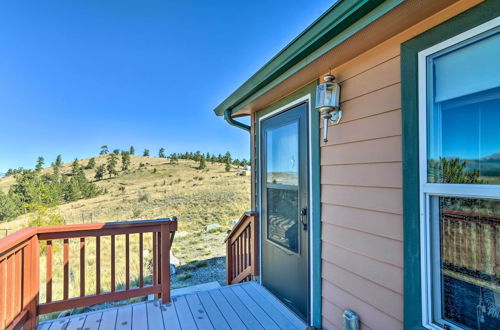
(328, 103)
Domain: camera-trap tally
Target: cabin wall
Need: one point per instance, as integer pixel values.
(361, 188)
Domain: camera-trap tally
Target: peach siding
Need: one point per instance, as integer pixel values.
(361, 189)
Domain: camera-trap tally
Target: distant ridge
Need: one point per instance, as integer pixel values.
(2, 175)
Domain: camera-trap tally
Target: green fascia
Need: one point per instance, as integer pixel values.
(315, 189)
(340, 22)
(409, 93)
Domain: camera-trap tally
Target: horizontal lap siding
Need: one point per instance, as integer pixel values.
(361, 189)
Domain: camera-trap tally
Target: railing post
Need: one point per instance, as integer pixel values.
(33, 282)
(165, 262)
(229, 262)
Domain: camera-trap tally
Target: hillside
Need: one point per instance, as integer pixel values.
(159, 189)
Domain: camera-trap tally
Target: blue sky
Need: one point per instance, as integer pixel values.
(75, 75)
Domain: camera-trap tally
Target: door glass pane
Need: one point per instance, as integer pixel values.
(464, 134)
(466, 246)
(283, 154)
(282, 213)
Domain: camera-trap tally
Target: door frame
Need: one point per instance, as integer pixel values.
(314, 259)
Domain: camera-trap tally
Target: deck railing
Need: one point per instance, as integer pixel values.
(242, 250)
(20, 268)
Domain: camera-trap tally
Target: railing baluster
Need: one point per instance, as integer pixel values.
(66, 269)
(127, 261)
(48, 271)
(10, 296)
(155, 273)
(82, 267)
(3, 302)
(17, 283)
(159, 262)
(113, 285)
(141, 261)
(98, 265)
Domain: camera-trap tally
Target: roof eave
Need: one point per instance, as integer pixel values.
(333, 22)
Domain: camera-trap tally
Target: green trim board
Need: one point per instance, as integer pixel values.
(315, 189)
(409, 93)
(341, 21)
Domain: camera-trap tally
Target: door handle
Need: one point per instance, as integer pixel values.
(303, 218)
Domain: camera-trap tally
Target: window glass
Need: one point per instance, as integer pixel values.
(282, 223)
(283, 154)
(466, 246)
(464, 124)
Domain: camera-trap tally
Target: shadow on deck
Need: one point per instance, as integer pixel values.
(240, 306)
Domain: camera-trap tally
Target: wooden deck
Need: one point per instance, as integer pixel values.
(240, 306)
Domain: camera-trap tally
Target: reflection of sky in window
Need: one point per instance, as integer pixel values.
(282, 149)
(471, 131)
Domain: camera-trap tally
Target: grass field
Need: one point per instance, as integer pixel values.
(157, 190)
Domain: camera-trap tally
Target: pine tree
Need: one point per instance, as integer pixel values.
(203, 163)
(75, 167)
(146, 153)
(111, 166)
(116, 151)
(132, 150)
(104, 150)
(161, 153)
(39, 164)
(90, 164)
(99, 172)
(56, 168)
(227, 157)
(228, 166)
(173, 158)
(125, 161)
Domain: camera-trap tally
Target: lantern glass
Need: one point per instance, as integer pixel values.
(328, 95)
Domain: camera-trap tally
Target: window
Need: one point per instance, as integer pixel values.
(459, 116)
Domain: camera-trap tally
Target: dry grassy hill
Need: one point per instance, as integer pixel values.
(159, 189)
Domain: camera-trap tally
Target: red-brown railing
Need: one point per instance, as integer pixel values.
(242, 250)
(20, 268)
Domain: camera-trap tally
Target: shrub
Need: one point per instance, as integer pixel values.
(144, 197)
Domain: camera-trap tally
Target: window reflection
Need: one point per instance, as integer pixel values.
(464, 141)
(282, 223)
(283, 154)
(469, 265)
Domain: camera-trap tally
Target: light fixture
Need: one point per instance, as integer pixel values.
(328, 103)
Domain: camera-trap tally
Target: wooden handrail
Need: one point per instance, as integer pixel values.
(20, 268)
(242, 249)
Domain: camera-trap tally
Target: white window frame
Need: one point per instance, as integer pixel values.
(434, 189)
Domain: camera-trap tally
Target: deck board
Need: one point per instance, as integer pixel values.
(213, 312)
(139, 317)
(199, 313)
(246, 316)
(184, 314)
(155, 318)
(240, 306)
(260, 314)
(229, 313)
(93, 321)
(108, 320)
(124, 318)
(170, 319)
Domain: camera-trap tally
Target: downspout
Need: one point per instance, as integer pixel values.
(231, 121)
